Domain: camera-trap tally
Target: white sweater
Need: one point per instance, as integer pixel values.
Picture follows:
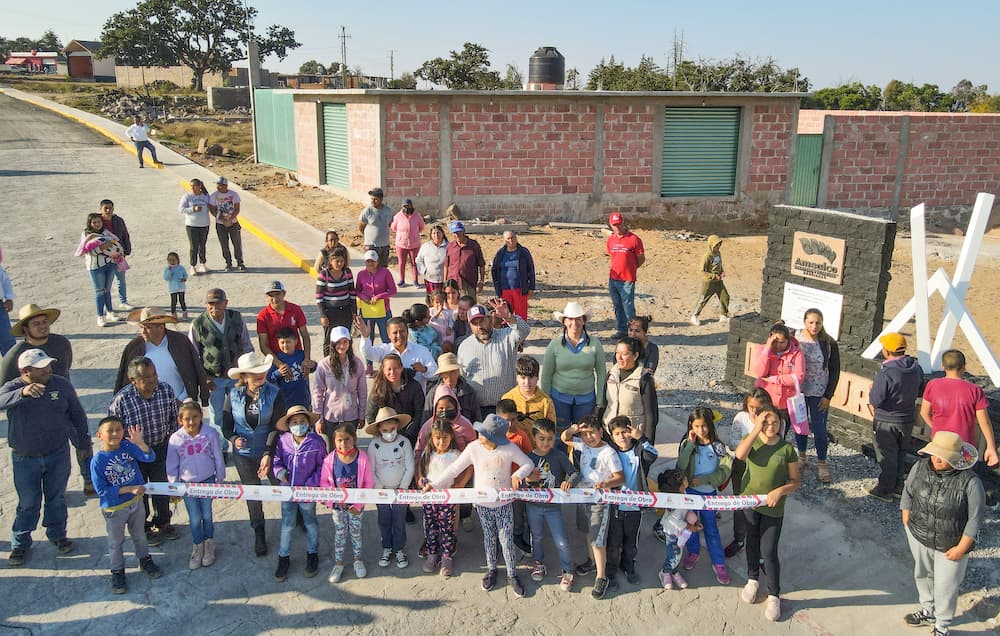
(392, 463)
(492, 468)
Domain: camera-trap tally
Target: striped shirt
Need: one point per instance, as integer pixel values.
(330, 291)
(158, 414)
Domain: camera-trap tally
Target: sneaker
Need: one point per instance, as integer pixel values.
(878, 494)
(312, 564)
(63, 546)
(600, 588)
(566, 581)
(823, 472)
(111, 317)
(612, 582)
(430, 565)
(209, 556)
(17, 556)
(733, 548)
(187, 316)
(241, 267)
(335, 574)
(118, 583)
(690, 560)
(522, 545)
(803, 461)
(383, 561)
(666, 581)
(197, 554)
(125, 306)
(169, 532)
(401, 560)
(152, 570)
(153, 537)
(360, 570)
(724, 319)
(281, 572)
(200, 268)
(516, 586)
(229, 268)
(489, 580)
(467, 524)
(919, 618)
(679, 581)
(101, 322)
(447, 566)
(695, 321)
(939, 632)
(772, 608)
(721, 575)
(538, 572)
(632, 577)
(749, 593)
(586, 568)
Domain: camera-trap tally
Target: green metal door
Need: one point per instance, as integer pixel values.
(805, 176)
(335, 150)
(274, 123)
(700, 148)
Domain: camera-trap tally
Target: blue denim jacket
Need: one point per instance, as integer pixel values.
(257, 436)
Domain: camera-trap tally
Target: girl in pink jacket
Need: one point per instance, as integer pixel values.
(346, 467)
(779, 367)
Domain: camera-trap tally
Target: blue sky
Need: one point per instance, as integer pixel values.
(831, 43)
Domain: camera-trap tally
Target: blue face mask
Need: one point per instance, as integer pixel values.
(299, 430)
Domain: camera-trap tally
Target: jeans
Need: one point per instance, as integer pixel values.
(288, 510)
(381, 324)
(102, 277)
(570, 409)
(540, 515)
(6, 339)
(892, 442)
(392, 526)
(199, 511)
(122, 291)
(216, 400)
(711, 532)
(156, 470)
(672, 559)
(623, 540)
(623, 298)
(817, 425)
(35, 478)
(227, 234)
(763, 533)
(197, 241)
(139, 145)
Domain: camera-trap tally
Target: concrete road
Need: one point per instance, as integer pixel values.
(52, 173)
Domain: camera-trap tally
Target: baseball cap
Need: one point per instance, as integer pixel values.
(376, 192)
(456, 226)
(215, 295)
(477, 311)
(274, 286)
(408, 203)
(615, 218)
(371, 255)
(893, 342)
(34, 358)
(222, 181)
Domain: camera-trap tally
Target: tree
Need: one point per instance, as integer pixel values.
(607, 76)
(312, 67)
(964, 94)
(985, 104)
(406, 81)
(572, 79)
(906, 96)
(49, 42)
(205, 35)
(512, 79)
(853, 96)
(465, 70)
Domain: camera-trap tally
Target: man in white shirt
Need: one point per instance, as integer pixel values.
(412, 355)
(138, 132)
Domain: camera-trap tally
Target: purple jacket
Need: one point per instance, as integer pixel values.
(304, 464)
(195, 459)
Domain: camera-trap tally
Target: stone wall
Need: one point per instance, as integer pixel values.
(220, 98)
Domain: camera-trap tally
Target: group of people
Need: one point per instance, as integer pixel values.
(453, 402)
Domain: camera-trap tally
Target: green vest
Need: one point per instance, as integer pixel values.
(219, 351)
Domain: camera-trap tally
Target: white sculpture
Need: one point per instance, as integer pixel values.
(956, 314)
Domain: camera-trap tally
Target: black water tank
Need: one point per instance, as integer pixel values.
(547, 66)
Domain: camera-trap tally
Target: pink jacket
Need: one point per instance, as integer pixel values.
(365, 477)
(781, 372)
(407, 229)
(464, 433)
(378, 286)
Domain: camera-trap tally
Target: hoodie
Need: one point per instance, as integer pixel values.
(711, 264)
(464, 433)
(895, 389)
(784, 370)
(302, 464)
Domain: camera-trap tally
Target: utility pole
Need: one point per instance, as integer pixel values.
(343, 56)
(678, 55)
(392, 65)
(253, 74)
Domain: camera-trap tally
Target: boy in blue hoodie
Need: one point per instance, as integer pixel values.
(120, 485)
(892, 400)
(288, 374)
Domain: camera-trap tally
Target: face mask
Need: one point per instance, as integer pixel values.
(299, 429)
(448, 414)
(389, 437)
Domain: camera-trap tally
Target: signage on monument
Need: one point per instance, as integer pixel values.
(798, 298)
(818, 257)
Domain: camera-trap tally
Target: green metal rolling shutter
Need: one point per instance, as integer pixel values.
(805, 177)
(700, 147)
(335, 151)
(275, 125)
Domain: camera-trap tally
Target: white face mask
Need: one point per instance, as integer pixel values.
(299, 429)
(390, 436)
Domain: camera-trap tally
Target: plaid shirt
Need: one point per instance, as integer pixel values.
(158, 414)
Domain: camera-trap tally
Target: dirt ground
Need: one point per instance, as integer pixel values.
(571, 264)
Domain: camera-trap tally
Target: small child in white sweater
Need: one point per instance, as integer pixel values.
(391, 456)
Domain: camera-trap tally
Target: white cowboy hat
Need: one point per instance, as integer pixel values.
(950, 447)
(572, 309)
(252, 363)
(150, 316)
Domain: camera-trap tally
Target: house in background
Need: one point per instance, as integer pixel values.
(84, 64)
(34, 61)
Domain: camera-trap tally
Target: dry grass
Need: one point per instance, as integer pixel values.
(234, 136)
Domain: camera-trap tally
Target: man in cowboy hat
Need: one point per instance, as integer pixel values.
(627, 255)
(152, 403)
(176, 359)
(943, 505)
(489, 357)
(44, 416)
(33, 323)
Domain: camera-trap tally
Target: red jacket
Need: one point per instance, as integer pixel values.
(782, 370)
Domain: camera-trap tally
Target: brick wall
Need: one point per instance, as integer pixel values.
(307, 145)
(772, 133)
(364, 143)
(511, 149)
(629, 146)
(412, 149)
(950, 159)
(863, 161)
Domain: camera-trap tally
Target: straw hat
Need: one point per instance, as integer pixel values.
(150, 316)
(447, 362)
(385, 414)
(573, 309)
(298, 409)
(26, 313)
(950, 447)
(252, 363)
